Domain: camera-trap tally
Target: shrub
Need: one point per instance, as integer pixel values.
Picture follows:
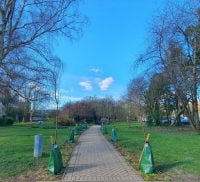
(8, 120)
(65, 121)
(2, 122)
(105, 120)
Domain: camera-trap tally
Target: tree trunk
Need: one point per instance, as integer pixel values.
(195, 89)
(31, 116)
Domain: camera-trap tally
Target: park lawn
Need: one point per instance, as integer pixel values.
(17, 145)
(175, 149)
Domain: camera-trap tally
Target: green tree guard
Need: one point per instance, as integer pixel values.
(81, 128)
(114, 135)
(71, 136)
(105, 131)
(85, 126)
(55, 164)
(101, 128)
(146, 164)
(78, 129)
(75, 131)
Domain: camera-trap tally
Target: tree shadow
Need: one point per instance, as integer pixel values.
(80, 167)
(166, 167)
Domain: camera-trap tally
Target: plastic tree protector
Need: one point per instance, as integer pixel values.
(146, 163)
(71, 136)
(104, 129)
(55, 164)
(114, 135)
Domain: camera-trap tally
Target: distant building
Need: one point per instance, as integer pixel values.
(39, 119)
(41, 115)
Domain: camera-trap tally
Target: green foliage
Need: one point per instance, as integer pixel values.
(150, 121)
(16, 111)
(1, 122)
(6, 121)
(64, 120)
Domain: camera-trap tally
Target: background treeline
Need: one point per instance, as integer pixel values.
(29, 69)
(97, 110)
(170, 85)
(168, 89)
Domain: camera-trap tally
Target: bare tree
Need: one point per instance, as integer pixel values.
(137, 89)
(27, 28)
(175, 49)
(55, 76)
(36, 96)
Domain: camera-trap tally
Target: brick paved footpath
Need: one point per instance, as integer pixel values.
(95, 160)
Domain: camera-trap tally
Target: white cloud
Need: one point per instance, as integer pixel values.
(86, 85)
(105, 83)
(95, 70)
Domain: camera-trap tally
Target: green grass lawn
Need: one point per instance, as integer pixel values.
(174, 149)
(17, 145)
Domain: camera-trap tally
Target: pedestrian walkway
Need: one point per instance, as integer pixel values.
(96, 160)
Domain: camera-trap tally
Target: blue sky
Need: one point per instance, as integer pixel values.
(100, 62)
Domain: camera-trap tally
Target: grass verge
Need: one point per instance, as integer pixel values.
(176, 150)
(16, 154)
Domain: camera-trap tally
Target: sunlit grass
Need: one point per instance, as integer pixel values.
(17, 145)
(174, 149)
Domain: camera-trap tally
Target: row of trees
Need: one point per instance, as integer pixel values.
(170, 86)
(29, 71)
(93, 109)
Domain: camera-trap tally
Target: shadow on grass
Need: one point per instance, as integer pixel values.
(166, 167)
(45, 154)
